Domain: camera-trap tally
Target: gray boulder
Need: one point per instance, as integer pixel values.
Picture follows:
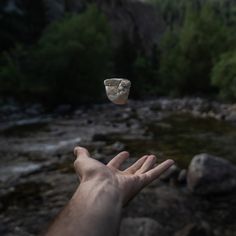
(209, 174)
(142, 226)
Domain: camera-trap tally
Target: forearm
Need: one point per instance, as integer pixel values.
(94, 210)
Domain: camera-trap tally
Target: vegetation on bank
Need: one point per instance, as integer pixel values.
(72, 56)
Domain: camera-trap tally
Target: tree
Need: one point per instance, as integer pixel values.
(71, 59)
(224, 75)
(186, 64)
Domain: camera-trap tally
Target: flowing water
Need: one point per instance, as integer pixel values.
(180, 137)
(177, 136)
(36, 180)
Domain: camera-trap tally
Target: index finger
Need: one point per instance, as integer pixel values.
(81, 152)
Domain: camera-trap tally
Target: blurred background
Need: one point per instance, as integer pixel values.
(181, 59)
(67, 48)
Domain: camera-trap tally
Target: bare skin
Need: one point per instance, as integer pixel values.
(95, 208)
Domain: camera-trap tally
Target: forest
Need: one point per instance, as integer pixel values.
(65, 60)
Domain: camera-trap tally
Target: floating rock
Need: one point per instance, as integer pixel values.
(141, 227)
(209, 174)
(117, 90)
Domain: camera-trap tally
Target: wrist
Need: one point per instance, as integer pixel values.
(96, 190)
(98, 202)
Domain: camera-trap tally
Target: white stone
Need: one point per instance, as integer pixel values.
(117, 90)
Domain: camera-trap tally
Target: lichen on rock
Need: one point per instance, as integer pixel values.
(117, 90)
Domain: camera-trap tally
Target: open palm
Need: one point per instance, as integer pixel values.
(129, 181)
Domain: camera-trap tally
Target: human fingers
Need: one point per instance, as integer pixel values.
(118, 159)
(82, 155)
(81, 152)
(147, 165)
(133, 168)
(154, 173)
(81, 163)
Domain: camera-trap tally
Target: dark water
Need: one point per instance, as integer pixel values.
(180, 137)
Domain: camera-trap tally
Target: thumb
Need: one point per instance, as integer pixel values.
(81, 152)
(81, 163)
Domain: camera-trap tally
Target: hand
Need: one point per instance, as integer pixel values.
(103, 190)
(128, 182)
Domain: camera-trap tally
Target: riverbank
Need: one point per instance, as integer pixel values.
(37, 162)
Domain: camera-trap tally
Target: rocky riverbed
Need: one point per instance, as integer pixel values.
(37, 176)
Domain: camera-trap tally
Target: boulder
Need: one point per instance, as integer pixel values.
(142, 226)
(209, 174)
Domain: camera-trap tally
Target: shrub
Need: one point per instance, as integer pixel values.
(72, 57)
(224, 75)
(145, 78)
(67, 65)
(131, 62)
(189, 53)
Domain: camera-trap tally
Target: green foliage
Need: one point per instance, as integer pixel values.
(186, 64)
(130, 62)
(169, 70)
(224, 75)
(145, 78)
(73, 56)
(69, 62)
(124, 58)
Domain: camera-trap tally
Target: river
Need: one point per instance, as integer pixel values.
(37, 161)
